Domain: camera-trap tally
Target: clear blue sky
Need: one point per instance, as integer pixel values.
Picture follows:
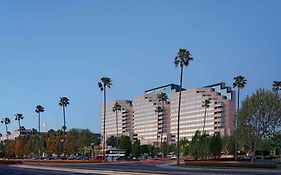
(56, 48)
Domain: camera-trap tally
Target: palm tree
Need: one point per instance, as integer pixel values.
(6, 121)
(38, 110)
(276, 86)
(239, 83)
(182, 59)
(64, 101)
(205, 105)
(158, 110)
(116, 108)
(105, 82)
(162, 97)
(19, 117)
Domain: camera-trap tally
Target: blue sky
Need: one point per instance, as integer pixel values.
(55, 48)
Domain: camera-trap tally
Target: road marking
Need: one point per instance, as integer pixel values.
(75, 170)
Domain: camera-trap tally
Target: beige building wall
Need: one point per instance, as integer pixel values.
(219, 115)
(148, 124)
(125, 119)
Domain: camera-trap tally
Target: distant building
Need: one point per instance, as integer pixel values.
(16, 133)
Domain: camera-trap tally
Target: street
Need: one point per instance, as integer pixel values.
(140, 168)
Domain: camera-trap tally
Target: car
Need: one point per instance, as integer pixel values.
(96, 158)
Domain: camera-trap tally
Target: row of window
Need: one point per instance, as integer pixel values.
(174, 116)
(192, 125)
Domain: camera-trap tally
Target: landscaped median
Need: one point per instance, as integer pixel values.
(230, 164)
(10, 162)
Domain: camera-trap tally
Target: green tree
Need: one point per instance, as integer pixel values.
(136, 149)
(228, 143)
(165, 149)
(125, 144)
(182, 59)
(64, 101)
(19, 117)
(259, 117)
(216, 145)
(144, 149)
(112, 141)
(239, 82)
(152, 150)
(276, 86)
(116, 108)
(71, 143)
(195, 145)
(87, 138)
(199, 145)
(172, 148)
(103, 84)
(184, 146)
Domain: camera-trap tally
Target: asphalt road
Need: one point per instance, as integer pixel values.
(9, 170)
(156, 168)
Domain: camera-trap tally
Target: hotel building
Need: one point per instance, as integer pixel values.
(140, 120)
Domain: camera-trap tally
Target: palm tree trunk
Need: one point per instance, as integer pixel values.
(104, 113)
(161, 137)
(204, 120)
(157, 129)
(63, 110)
(116, 128)
(38, 123)
(19, 125)
(236, 140)
(38, 134)
(7, 135)
(205, 141)
(179, 107)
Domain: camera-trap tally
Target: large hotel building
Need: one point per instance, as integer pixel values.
(140, 120)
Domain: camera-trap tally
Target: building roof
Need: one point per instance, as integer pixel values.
(173, 86)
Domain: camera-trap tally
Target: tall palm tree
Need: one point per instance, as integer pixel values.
(163, 97)
(19, 117)
(39, 109)
(6, 121)
(103, 84)
(205, 105)
(158, 110)
(276, 86)
(182, 59)
(64, 101)
(239, 83)
(116, 108)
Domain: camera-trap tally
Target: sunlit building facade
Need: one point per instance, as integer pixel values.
(219, 115)
(139, 119)
(124, 119)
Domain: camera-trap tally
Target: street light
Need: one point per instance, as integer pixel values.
(45, 126)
